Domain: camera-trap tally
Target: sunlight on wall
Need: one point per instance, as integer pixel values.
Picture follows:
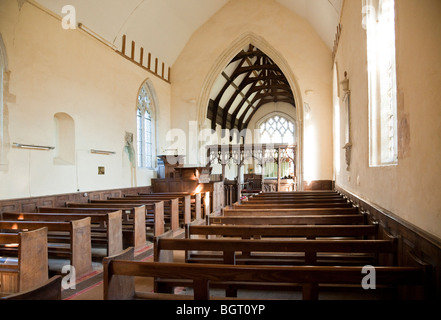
(337, 145)
(310, 153)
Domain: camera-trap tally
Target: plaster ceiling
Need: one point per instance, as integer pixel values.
(163, 27)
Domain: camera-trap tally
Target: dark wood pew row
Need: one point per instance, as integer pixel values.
(133, 222)
(66, 239)
(104, 243)
(154, 213)
(171, 208)
(205, 198)
(184, 201)
(296, 195)
(294, 201)
(28, 267)
(317, 193)
(346, 219)
(291, 231)
(243, 211)
(50, 290)
(277, 252)
(246, 205)
(198, 206)
(120, 272)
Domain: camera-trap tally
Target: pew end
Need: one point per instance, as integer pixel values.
(117, 286)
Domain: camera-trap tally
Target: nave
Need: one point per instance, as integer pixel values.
(284, 245)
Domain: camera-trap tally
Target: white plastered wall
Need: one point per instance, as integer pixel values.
(53, 70)
(412, 189)
(293, 45)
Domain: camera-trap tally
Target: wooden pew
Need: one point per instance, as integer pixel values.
(111, 227)
(133, 222)
(292, 231)
(288, 220)
(298, 198)
(297, 195)
(277, 252)
(50, 290)
(196, 201)
(300, 193)
(120, 272)
(172, 204)
(154, 213)
(78, 234)
(184, 203)
(29, 267)
(276, 205)
(205, 200)
(237, 212)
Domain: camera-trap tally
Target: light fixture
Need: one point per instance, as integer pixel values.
(31, 146)
(102, 152)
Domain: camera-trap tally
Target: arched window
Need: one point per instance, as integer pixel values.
(145, 128)
(277, 129)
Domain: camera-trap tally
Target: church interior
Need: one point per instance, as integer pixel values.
(220, 149)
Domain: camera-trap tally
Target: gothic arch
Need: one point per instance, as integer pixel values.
(155, 114)
(222, 61)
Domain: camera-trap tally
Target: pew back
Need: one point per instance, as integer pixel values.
(78, 248)
(32, 265)
(119, 273)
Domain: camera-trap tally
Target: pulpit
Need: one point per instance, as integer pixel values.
(192, 179)
(167, 165)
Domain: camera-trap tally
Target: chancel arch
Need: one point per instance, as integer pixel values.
(280, 85)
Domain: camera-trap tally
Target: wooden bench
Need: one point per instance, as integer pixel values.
(292, 231)
(300, 193)
(183, 200)
(237, 212)
(120, 272)
(276, 205)
(77, 233)
(298, 198)
(288, 220)
(197, 206)
(277, 252)
(154, 214)
(205, 199)
(171, 208)
(29, 267)
(109, 237)
(133, 222)
(50, 290)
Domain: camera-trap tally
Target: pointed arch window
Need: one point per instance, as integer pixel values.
(145, 128)
(277, 129)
